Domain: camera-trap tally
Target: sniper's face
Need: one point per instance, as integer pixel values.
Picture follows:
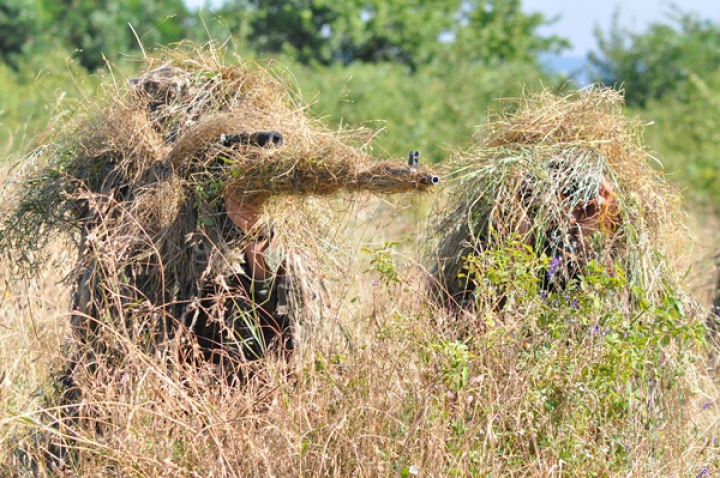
(243, 215)
(586, 205)
(599, 213)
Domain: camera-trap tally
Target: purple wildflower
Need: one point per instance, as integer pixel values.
(595, 329)
(704, 471)
(554, 265)
(574, 304)
(543, 294)
(706, 405)
(376, 283)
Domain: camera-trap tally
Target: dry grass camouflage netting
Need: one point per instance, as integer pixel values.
(567, 175)
(140, 180)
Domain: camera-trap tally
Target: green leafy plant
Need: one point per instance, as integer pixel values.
(383, 263)
(455, 357)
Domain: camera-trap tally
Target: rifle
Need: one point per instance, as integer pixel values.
(255, 177)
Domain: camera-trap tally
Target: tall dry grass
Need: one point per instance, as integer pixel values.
(382, 387)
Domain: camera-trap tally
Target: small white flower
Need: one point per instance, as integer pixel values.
(413, 470)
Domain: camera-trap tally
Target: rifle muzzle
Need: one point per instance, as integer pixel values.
(430, 179)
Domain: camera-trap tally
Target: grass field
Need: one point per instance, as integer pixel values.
(386, 386)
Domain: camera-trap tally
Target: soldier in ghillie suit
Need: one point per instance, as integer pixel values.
(233, 303)
(163, 189)
(563, 180)
(556, 216)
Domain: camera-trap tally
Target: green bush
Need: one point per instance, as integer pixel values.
(427, 111)
(594, 376)
(686, 134)
(35, 95)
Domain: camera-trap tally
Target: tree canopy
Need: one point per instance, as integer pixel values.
(20, 25)
(314, 32)
(410, 32)
(95, 29)
(659, 61)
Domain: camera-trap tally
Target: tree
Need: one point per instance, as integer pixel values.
(660, 61)
(410, 32)
(100, 28)
(497, 31)
(20, 25)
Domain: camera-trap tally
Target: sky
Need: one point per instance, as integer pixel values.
(578, 17)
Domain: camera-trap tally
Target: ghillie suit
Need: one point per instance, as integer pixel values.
(160, 190)
(145, 180)
(233, 311)
(565, 177)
